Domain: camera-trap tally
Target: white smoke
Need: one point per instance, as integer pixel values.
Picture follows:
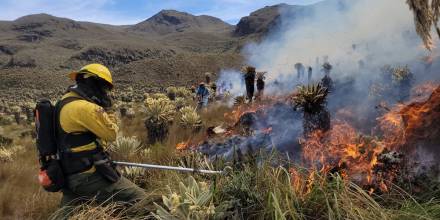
(231, 81)
(349, 33)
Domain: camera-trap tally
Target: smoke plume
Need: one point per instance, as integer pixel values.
(357, 37)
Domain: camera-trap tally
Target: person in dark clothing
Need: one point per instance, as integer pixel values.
(84, 120)
(327, 82)
(300, 70)
(208, 78)
(214, 89)
(309, 74)
(202, 96)
(249, 79)
(260, 85)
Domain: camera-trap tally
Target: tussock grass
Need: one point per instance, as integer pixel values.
(254, 190)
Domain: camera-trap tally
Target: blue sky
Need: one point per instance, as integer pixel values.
(133, 11)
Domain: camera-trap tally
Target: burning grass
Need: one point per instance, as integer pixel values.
(342, 148)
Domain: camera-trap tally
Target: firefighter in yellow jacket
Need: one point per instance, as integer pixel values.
(82, 125)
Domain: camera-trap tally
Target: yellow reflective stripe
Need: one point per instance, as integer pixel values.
(86, 147)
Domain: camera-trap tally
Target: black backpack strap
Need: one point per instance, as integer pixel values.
(63, 137)
(73, 162)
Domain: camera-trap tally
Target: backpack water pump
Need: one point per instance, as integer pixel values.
(51, 175)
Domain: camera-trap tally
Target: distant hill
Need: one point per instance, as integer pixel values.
(171, 21)
(260, 22)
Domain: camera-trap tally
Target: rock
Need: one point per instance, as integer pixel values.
(8, 49)
(21, 61)
(29, 37)
(218, 130)
(71, 44)
(116, 57)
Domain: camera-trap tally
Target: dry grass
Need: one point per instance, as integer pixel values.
(21, 197)
(251, 192)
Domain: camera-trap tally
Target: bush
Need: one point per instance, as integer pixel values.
(126, 147)
(159, 115)
(190, 119)
(239, 194)
(6, 154)
(194, 200)
(171, 92)
(183, 92)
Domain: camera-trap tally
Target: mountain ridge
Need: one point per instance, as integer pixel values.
(170, 21)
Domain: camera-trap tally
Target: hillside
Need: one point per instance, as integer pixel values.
(39, 47)
(169, 48)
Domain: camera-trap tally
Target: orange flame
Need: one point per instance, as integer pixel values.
(341, 148)
(182, 145)
(401, 123)
(344, 151)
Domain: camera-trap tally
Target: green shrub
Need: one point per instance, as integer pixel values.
(158, 96)
(126, 147)
(194, 200)
(190, 119)
(159, 115)
(171, 92)
(239, 194)
(180, 102)
(183, 92)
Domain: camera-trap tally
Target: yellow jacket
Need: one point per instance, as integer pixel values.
(82, 116)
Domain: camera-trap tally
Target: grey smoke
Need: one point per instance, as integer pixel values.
(350, 34)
